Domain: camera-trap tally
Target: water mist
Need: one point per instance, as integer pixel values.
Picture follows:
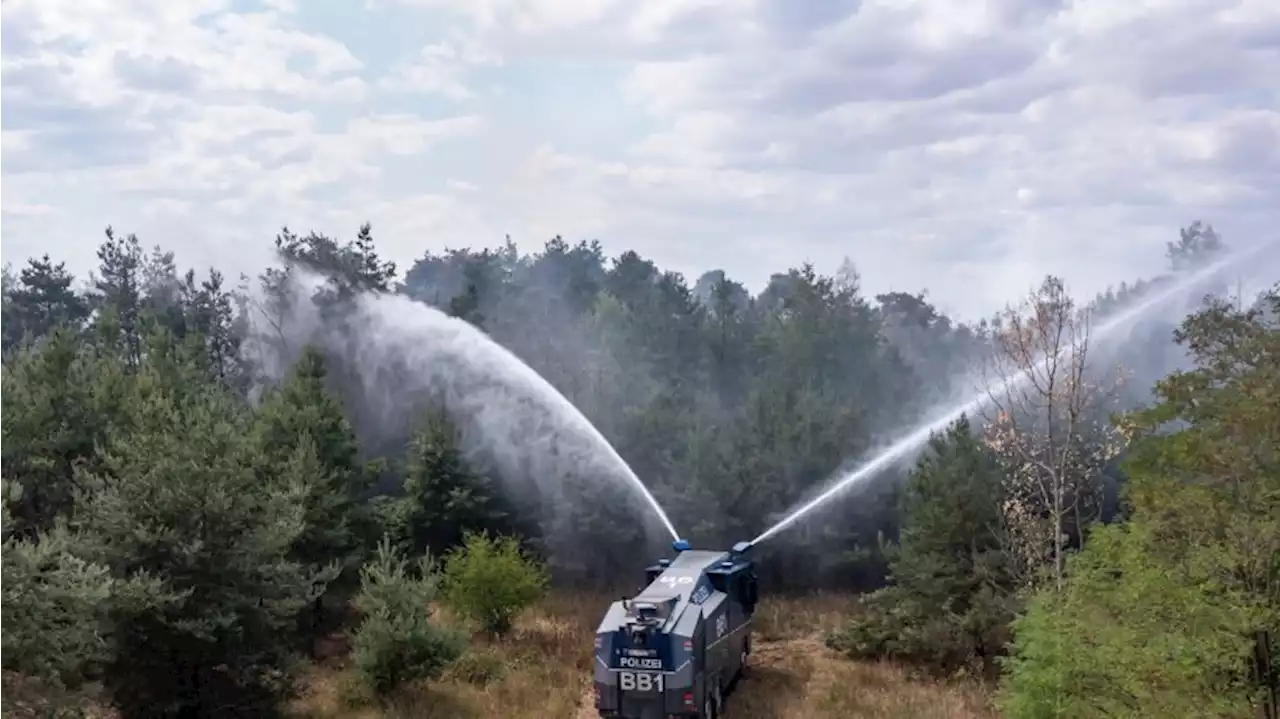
(408, 352)
(919, 436)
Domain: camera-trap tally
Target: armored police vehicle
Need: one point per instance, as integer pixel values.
(676, 648)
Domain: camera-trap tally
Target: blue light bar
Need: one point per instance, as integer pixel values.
(680, 545)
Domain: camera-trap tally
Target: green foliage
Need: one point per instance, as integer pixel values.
(53, 604)
(40, 300)
(443, 498)
(118, 291)
(303, 436)
(397, 640)
(351, 265)
(179, 512)
(60, 402)
(491, 580)
(176, 535)
(1172, 615)
(952, 598)
(1129, 637)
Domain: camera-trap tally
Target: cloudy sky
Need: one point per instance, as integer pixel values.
(966, 147)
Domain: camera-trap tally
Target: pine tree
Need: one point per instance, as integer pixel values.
(53, 604)
(443, 498)
(398, 639)
(302, 427)
(951, 595)
(60, 401)
(40, 300)
(180, 510)
(303, 436)
(118, 290)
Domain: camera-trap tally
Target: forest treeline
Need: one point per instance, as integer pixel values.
(184, 515)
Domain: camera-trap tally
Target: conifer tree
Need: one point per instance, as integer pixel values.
(443, 497)
(179, 511)
(60, 401)
(53, 603)
(301, 427)
(40, 299)
(951, 595)
(304, 439)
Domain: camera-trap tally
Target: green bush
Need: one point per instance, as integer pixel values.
(491, 580)
(397, 641)
(1129, 638)
(892, 624)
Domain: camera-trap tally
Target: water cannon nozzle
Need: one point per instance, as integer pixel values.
(680, 545)
(741, 548)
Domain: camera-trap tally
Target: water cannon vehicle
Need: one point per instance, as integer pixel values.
(677, 647)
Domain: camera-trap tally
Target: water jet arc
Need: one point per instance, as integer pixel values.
(385, 333)
(919, 437)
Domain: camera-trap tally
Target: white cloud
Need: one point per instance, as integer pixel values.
(442, 68)
(405, 134)
(967, 150)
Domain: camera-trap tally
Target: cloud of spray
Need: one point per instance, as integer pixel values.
(1172, 293)
(545, 308)
(408, 355)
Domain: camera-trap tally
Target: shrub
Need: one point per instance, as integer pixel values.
(1127, 638)
(491, 580)
(892, 624)
(397, 641)
(480, 668)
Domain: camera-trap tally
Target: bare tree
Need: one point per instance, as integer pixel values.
(1048, 424)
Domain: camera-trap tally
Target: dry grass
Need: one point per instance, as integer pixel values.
(548, 661)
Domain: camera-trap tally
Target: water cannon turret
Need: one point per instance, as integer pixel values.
(680, 545)
(741, 552)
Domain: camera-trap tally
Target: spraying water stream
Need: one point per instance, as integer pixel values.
(405, 348)
(918, 437)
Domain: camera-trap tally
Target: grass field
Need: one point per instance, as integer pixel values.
(543, 671)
